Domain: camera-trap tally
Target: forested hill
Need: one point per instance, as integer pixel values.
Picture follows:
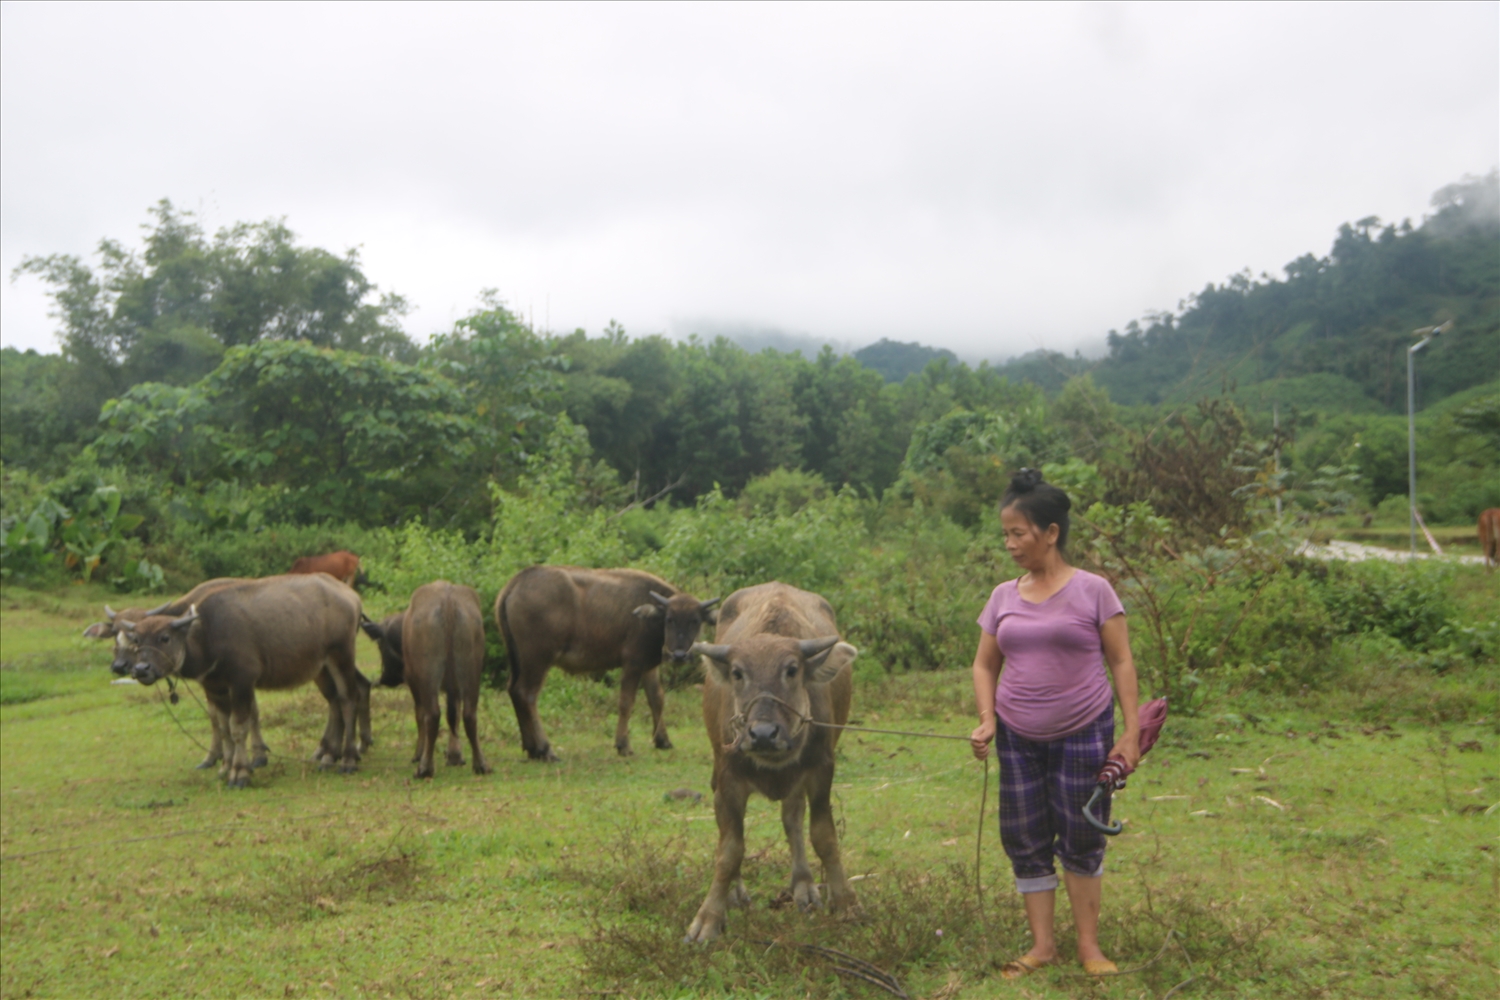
(1333, 333)
(895, 360)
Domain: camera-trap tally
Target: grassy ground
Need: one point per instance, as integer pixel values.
(1295, 850)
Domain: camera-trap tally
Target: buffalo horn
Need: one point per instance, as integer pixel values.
(659, 599)
(186, 619)
(713, 652)
(708, 604)
(110, 612)
(812, 647)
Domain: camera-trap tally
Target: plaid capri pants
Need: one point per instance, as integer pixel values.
(1043, 789)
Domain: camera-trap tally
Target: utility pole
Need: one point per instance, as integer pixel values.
(1426, 333)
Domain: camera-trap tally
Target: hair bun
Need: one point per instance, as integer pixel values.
(1025, 481)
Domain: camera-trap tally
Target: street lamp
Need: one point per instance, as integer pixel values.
(1426, 333)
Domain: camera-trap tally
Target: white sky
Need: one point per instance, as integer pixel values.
(991, 179)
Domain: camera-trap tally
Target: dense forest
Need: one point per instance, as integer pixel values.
(242, 378)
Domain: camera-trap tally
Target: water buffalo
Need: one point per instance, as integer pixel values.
(342, 565)
(589, 621)
(778, 667)
(1489, 537)
(276, 633)
(119, 623)
(436, 646)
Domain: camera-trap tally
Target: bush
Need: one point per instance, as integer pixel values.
(1410, 602)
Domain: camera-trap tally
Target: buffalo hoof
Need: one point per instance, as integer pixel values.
(243, 781)
(205, 764)
(623, 749)
(841, 900)
(348, 767)
(806, 896)
(260, 760)
(705, 928)
(663, 742)
(480, 767)
(456, 760)
(545, 755)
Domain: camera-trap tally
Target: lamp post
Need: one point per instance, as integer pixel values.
(1426, 333)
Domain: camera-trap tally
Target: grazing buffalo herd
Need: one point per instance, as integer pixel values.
(776, 694)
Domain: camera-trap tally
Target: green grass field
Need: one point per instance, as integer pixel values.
(1290, 850)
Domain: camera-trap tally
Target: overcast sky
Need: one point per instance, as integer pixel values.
(991, 179)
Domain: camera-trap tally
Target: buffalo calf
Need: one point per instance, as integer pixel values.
(777, 672)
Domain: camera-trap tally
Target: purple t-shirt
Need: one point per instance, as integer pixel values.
(1053, 682)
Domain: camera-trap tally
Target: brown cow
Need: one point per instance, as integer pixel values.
(342, 565)
(437, 647)
(276, 633)
(589, 621)
(1489, 537)
(778, 668)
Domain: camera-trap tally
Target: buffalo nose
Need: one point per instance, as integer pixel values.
(679, 655)
(120, 669)
(141, 671)
(763, 732)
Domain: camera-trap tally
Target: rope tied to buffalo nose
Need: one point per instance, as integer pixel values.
(739, 722)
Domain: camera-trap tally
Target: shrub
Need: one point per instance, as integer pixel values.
(1409, 602)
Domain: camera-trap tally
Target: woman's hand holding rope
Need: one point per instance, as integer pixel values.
(979, 739)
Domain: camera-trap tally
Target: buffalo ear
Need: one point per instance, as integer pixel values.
(826, 665)
(372, 630)
(717, 656)
(646, 611)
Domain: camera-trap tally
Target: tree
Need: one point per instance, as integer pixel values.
(337, 435)
(167, 312)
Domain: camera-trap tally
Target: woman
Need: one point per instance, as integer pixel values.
(1050, 713)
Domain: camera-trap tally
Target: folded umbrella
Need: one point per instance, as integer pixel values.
(1112, 776)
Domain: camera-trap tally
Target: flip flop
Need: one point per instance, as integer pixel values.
(1100, 967)
(1023, 966)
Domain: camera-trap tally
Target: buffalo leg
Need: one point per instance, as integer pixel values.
(455, 750)
(470, 693)
(237, 752)
(333, 734)
(825, 840)
(523, 696)
(658, 703)
(419, 714)
(344, 670)
(429, 724)
(793, 811)
(362, 711)
(729, 810)
(216, 742)
(630, 680)
(260, 754)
